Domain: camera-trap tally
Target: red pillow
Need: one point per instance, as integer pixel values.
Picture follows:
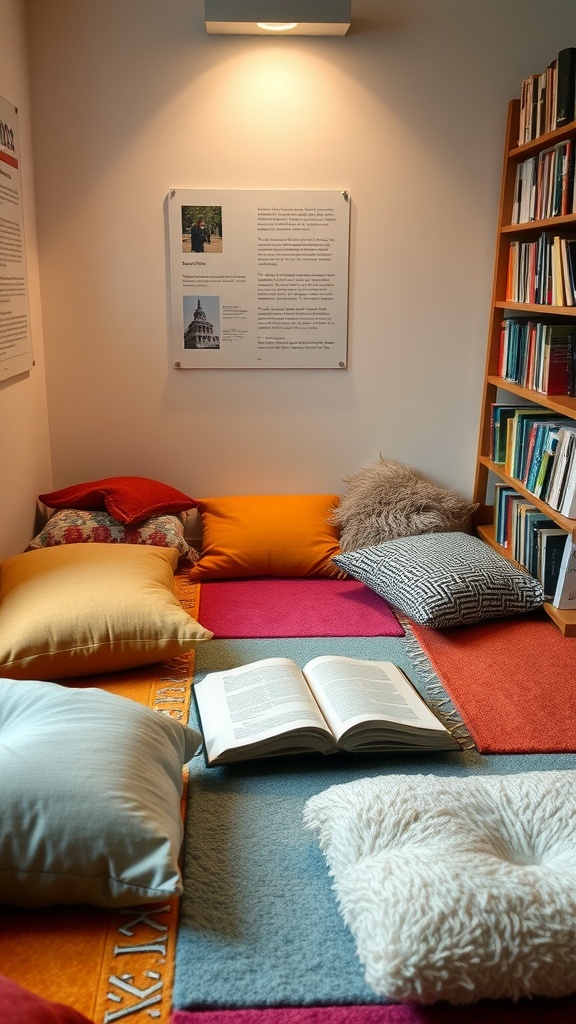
(127, 498)
(19, 1006)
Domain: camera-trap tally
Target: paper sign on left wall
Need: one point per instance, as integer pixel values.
(15, 339)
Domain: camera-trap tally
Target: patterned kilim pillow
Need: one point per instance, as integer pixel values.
(79, 526)
(444, 579)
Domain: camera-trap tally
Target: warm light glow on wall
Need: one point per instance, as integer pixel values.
(278, 17)
(277, 26)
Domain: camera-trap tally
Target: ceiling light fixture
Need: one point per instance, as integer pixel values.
(280, 17)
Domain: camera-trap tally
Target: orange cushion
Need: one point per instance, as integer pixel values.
(267, 535)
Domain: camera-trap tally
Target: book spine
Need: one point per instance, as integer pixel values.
(552, 562)
(567, 503)
(565, 596)
(555, 381)
(566, 84)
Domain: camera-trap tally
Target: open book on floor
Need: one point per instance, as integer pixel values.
(272, 708)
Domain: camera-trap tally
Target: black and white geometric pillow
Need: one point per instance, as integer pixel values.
(444, 579)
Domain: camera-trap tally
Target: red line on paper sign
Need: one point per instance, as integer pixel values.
(9, 159)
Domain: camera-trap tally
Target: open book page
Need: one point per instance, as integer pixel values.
(352, 692)
(247, 706)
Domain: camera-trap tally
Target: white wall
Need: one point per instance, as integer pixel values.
(408, 111)
(24, 449)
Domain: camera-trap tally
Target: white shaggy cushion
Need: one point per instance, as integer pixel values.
(456, 889)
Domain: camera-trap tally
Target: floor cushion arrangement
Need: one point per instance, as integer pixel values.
(454, 889)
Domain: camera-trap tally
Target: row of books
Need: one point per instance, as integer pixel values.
(538, 354)
(538, 447)
(544, 185)
(531, 537)
(536, 543)
(542, 271)
(547, 99)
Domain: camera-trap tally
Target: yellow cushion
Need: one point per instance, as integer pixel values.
(267, 535)
(84, 609)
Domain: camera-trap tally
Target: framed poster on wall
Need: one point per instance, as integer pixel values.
(15, 339)
(258, 279)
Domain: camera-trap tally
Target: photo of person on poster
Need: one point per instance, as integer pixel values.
(202, 229)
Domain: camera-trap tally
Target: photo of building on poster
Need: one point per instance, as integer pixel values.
(258, 279)
(202, 320)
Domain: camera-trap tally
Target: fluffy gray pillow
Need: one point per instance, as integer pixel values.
(389, 499)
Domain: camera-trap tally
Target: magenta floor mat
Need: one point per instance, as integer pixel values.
(263, 608)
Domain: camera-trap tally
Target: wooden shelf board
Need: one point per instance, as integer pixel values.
(564, 404)
(528, 307)
(547, 223)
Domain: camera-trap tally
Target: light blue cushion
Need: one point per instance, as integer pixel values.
(90, 788)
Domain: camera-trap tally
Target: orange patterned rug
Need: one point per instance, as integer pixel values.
(110, 965)
(512, 680)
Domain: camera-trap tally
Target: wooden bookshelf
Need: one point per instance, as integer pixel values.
(564, 226)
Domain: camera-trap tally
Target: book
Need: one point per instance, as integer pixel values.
(273, 708)
(522, 422)
(519, 511)
(554, 364)
(565, 594)
(552, 545)
(560, 469)
(567, 500)
(509, 501)
(551, 94)
(511, 432)
(501, 493)
(541, 438)
(535, 523)
(500, 414)
(570, 247)
(543, 457)
(546, 466)
(565, 86)
(531, 453)
(572, 367)
(558, 291)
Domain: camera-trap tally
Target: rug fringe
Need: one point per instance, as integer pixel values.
(435, 691)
